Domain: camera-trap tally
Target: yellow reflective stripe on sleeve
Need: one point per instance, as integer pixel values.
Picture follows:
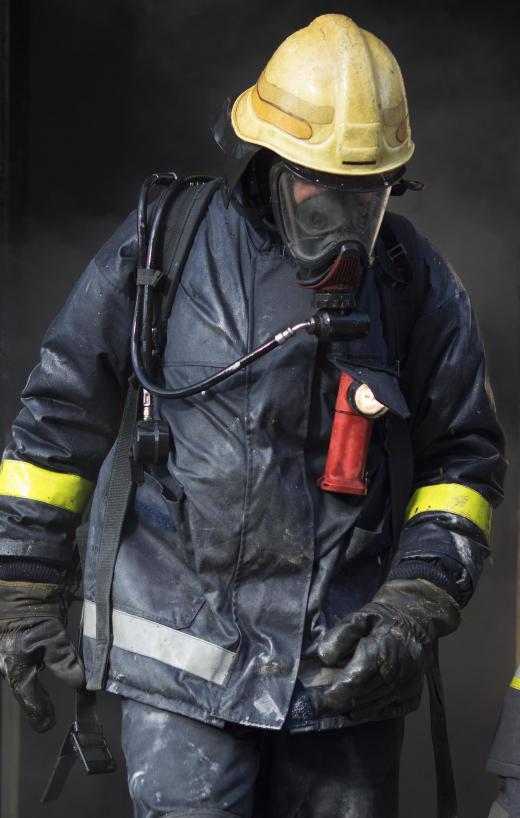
(515, 682)
(67, 491)
(455, 499)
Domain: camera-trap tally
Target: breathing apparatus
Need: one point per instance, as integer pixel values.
(335, 279)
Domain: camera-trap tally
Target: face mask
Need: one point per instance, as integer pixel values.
(317, 221)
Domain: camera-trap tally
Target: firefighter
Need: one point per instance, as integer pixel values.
(268, 634)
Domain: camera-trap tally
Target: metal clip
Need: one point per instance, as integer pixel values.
(396, 251)
(90, 748)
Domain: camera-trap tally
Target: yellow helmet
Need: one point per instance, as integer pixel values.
(331, 98)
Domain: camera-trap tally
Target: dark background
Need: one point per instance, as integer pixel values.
(96, 95)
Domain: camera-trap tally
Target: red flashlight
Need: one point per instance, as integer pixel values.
(354, 415)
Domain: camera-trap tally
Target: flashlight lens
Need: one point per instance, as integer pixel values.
(366, 402)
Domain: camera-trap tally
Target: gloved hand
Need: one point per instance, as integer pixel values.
(386, 647)
(507, 805)
(32, 636)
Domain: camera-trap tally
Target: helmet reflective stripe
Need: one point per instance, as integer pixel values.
(331, 98)
(452, 498)
(67, 491)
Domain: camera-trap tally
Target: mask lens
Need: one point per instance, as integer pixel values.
(316, 220)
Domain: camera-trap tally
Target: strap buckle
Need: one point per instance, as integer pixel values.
(148, 277)
(396, 252)
(90, 747)
(92, 750)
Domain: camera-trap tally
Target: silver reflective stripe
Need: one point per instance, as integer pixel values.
(498, 811)
(167, 645)
(320, 678)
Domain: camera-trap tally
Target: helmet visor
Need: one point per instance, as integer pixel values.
(316, 220)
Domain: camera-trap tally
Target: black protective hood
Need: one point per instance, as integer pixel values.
(237, 153)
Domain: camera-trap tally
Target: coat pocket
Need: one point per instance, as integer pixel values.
(366, 544)
(160, 501)
(155, 572)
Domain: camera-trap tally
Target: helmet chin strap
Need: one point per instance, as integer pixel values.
(342, 275)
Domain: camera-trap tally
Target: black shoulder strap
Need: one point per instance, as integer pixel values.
(120, 486)
(402, 282)
(182, 222)
(402, 286)
(85, 738)
(186, 213)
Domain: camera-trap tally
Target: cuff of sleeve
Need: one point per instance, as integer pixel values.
(455, 544)
(416, 569)
(27, 570)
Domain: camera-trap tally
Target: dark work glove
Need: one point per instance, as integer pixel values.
(386, 647)
(32, 636)
(507, 805)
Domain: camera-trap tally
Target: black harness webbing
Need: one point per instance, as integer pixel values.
(446, 790)
(403, 290)
(85, 740)
(120, 486)
(184, 218)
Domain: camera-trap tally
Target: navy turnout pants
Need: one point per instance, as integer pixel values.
(180, 767)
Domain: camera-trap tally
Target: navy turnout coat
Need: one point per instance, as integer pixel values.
(233, 562)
